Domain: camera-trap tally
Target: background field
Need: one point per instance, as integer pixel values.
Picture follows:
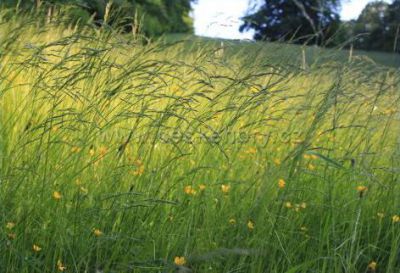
(194, 156)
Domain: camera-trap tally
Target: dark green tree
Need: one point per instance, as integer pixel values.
(296, 20)
(371, 27)
(378, 27)
(393, 25)
(153, 17)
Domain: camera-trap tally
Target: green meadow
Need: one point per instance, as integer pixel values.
(187, 154)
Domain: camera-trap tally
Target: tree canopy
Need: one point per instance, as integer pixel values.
(296, 20)
(379, 26)
(155, 16)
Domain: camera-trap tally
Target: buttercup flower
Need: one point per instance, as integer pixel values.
(281, 183)
(97, 232)
(179, 260)
(225, 188)
(250, 225)
(57, 195)
(362, 190)
(36, 248)
(10, 225)
(189, 190)
(60, 266)
(372, 266)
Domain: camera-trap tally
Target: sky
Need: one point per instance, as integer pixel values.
(220, 18)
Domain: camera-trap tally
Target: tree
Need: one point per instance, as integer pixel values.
(393, 19)
(156, 16)
(371, 27)
(379, 26)
(296, 20)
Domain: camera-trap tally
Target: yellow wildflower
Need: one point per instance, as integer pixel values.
(57, 195)
(225, 188)
(362, 190)
(92, 152)
(36, 248)
(277, 162)
(395, 219)
(202, 187)
(232, 221)
(281, 183)
(303, 205)
(311, 167)
(139, 167)
(10, 225)
(250, 225)
(60, 266)
(179, 260)
(97, 232)
(189, 190)
(372, 266)
(288, 204)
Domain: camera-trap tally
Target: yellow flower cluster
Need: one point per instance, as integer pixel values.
(296, 207)
(190, 190)
(139, 168)
(180, 260)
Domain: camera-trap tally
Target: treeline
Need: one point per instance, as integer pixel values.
(378, 27)
(296, 21)
(318, 22)
(151, 17)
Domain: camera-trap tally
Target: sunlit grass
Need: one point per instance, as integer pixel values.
(173, 157)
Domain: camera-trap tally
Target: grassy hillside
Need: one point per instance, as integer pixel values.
(184, 157)
(277, 51)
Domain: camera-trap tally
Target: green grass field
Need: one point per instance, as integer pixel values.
(190, 157)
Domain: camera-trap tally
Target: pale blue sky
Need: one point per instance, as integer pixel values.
(220, 18)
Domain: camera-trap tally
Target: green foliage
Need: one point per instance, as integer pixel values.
(379, 26)
(152, 17)
(298, 21)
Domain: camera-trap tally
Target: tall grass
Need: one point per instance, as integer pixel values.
(119, 156)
